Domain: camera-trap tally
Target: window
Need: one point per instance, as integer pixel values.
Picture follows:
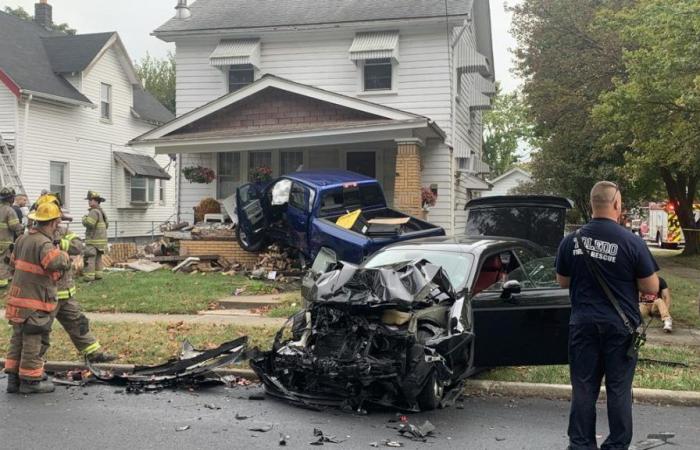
(106, 102)
(229, 174)
(143, 189)
(291, 161)
(161, 192)
(240, 76)
(58, 177)
(259, 159)
(377, 74)
(297, 197)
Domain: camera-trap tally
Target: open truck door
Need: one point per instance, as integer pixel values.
(252, 219)
(521, 315)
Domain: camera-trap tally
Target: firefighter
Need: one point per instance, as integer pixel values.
(68, 312)
(10, 228)
(95, 223)
(32, 301)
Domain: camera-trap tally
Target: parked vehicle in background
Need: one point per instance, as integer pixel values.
(339, 210)
(664, 227)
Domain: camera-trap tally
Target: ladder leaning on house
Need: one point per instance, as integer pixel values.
(9, 177)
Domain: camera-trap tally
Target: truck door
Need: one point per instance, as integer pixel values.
(298, 217)
(527, 325)
(252, 219)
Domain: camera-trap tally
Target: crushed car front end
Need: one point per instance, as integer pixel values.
(393, 336)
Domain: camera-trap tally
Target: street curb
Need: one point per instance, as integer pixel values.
(471, 387)
(563, 392)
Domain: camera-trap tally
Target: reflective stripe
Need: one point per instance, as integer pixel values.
(3, 225)
(31, 303)
(13, 222)
(90, 220)
(26, 266)
(4, 283)
(50, 256)
(11, 364)
(66, 240)
(92, 348)
(31, 373)
(66, 294)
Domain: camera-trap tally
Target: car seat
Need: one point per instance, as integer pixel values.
(490, 274)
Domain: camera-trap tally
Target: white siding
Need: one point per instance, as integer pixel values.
(506, 184)
(436, 170)
(8, 111)
(192, 193)
(78, 137)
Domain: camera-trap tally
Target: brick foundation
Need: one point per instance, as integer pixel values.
(228, 249)
(407, 186)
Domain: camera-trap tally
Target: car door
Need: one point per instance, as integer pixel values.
(525, 328)
(252, 218)
(298, 217)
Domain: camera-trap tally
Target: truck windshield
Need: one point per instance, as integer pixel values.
(353, 197)
(456, 265)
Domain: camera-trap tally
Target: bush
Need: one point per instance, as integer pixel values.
(206, 206)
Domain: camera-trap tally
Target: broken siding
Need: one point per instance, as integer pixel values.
(76, 136)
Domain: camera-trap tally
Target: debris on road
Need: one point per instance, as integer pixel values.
(283, 440)
(325, 439)
(192, 370)
(262, 428)
(416, 432)
(182, 428)
(654, 440)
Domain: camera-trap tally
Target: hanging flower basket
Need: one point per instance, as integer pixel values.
(260, 174)
(198, 174)
(428, 197)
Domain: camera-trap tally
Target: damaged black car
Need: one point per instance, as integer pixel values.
(405, 328)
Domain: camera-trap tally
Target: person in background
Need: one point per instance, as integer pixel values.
(10, 229)
(658, 304)
(21, 208)
(95, 223)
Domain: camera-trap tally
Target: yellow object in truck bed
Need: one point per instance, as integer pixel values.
(348, 220)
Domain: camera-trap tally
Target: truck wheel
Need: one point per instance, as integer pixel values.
(431, 395)
(246, 244)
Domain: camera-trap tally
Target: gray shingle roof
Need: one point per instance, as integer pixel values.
(148, 108)
(23, 57)
(74, 53)
(141, 165)
(231, 14)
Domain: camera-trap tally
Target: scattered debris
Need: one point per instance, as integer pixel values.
(241, 417)
(374, 444)
(256, 397)
(211, 406)
(143, 265)
(182, 428)
(415, 432)
(283, 440)
(262, 428)
(393, 444)
(192, 371)
(654, 440)
(186, 263)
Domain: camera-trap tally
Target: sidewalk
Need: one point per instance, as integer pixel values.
(254, 321)
(680, 336)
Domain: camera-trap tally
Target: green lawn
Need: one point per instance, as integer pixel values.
(163, 292)
(683, 277)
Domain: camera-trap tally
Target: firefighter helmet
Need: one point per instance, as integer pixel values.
(46, 212)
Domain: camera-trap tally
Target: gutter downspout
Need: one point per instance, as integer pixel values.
(178, 181)
(19, 157)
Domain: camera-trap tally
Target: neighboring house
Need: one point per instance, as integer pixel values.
(392, 89)
(68, 106)
(506, 183)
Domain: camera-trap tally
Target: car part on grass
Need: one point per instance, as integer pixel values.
(193, 368)
(387, 336)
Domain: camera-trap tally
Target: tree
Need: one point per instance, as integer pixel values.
(567, 63)
(24, 15)
(654, 108)
(506, 128)
(158, 78)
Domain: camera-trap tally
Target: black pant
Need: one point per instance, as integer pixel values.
(596, 350)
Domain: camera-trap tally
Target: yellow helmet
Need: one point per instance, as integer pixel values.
(46, 212)
(48, 198)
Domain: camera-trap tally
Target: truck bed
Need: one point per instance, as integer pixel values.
(365, 227)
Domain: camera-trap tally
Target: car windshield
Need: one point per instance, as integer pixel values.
(455, 264)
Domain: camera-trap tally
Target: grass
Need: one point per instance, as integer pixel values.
(682, 273)
(648, 375)
(290, 305)
(163, 292)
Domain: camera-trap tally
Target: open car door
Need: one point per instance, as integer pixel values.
(252, 218)
(521, 315)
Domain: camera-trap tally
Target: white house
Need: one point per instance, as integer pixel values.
(507, 182)
(68, 107)
(393, 89)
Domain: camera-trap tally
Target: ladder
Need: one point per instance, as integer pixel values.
(9, 177)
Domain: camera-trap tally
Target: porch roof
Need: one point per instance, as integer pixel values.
(277, 112)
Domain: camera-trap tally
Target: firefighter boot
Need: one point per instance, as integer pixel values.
(36, 387)
(12, 383)
(101, 357)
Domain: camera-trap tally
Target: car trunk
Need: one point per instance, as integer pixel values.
(540, 219)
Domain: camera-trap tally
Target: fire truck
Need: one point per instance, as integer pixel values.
(664, 227)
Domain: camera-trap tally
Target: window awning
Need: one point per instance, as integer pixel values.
(485, 86)
(469, 60)
(375, 45)
(236, 52)
(479, 101)
(141, 165)
(474, 183)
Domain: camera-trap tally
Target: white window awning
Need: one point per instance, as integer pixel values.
(485, 86)
(469, 60)
(375, 45)
(478, 101)
(236, 52)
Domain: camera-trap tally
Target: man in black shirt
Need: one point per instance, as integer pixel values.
(598, 337)
(658, 304)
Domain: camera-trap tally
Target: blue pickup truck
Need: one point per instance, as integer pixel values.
(301, 210)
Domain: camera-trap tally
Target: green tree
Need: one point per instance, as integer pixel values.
(567, 63)
(158, 78)
(653, 111)
(506, 128)
(24, 15)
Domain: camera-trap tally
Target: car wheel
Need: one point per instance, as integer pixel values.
(431, 395)
(245, 243)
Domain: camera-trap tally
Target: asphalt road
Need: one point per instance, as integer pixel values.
(100, 417)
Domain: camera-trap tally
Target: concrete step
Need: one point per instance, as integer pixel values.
(229, 313)
(247, 302)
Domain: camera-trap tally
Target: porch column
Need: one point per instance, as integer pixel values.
(407, 184)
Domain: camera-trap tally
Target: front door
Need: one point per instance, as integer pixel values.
(364, 163)
(526, 328)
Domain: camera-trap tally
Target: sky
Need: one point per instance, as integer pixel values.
(136, 19)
